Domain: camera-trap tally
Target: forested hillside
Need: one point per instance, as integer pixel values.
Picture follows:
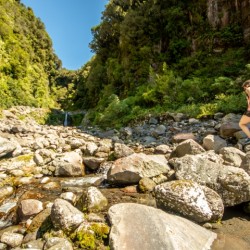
(188, 56)
(27, 61)
(150, 57)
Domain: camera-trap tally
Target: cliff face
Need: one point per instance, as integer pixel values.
(223, 12)
(245, 9)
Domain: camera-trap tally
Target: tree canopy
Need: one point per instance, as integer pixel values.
(27, 60)
(150, 56)
(163, 55)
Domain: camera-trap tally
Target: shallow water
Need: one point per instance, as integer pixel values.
(233, 232)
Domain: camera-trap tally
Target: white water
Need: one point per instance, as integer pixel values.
(65, 123)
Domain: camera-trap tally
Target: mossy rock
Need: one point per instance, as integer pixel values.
(93, 237)
(101, 230)
(85, 240)
(24, 158)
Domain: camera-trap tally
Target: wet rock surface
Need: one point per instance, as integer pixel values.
(58, 183)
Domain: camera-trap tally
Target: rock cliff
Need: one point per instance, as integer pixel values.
(221, 13)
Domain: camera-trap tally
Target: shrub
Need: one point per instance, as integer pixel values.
(231, 103)
(110, 115)
(208, 109)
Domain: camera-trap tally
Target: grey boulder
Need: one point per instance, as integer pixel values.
(190, 199)
(138, 227)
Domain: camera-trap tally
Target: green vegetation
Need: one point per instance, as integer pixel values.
(25, 158)
(150, 57)
(91, 238)
(27, 61)
(156, 56)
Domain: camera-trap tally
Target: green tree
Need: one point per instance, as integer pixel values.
(27, 59)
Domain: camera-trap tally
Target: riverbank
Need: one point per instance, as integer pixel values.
(93, 170)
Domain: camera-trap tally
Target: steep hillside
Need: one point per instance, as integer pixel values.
(151, 56)
(27, 59)
(166, 55)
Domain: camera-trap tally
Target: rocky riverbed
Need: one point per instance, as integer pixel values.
(167, 182)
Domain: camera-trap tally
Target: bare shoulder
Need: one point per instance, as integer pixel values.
(248, 91)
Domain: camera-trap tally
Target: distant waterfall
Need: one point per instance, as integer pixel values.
(65, 123)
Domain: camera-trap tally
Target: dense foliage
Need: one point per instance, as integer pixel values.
(150, 56)
(157, 56)
(27, 60)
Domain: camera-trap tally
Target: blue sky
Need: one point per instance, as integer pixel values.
(69, 23)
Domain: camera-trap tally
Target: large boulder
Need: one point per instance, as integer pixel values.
(130, 169)
(43, 156)
(12, 239)
(229, 125)
(21, 162)
(6, 146)
(93, 163)
(105, 147)
(68, 164)
(92, 200)
(65, 216)
(90, 148)
(245, 164)
(122, 150)
(187, 147)
(137, 226)
(158, 131)
(232, 156)
(214, 142)
(231, 183)
(28, 208)
(190, 199)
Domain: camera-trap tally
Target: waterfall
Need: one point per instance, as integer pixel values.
(65, 123)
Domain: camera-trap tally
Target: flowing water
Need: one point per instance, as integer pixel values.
(65, 123)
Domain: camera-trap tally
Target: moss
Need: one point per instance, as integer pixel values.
(101, 230)
(142, 187)
(219, 221)
(182, 183)
(91, 238)
(83, 239)
(21, 117)
(10, 180)
(111, 157)
(25, 158)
